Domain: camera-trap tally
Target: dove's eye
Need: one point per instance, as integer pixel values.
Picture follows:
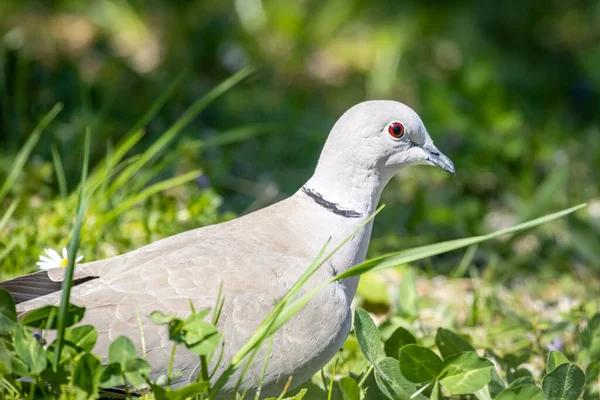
(396, 130)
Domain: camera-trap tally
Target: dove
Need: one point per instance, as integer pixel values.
(255, 258)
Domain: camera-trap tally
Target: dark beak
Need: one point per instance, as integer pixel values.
(436, 157)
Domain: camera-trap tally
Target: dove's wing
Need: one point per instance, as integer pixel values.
(254, 267)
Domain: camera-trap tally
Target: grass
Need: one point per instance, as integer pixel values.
(364, 367)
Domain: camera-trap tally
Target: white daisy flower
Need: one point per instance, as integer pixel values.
(54, 260)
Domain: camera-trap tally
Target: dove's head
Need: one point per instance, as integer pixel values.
(383, 136)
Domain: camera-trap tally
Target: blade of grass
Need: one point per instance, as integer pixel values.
(25, 151)
(136, 132)
(60, 172)
(91, 189)
(9, 212)
(149, 191)
(142, 178)
(264, 370)
(109, 163)
(410, 255)
(161, 101)
(6, 251)
(72, 252)
(237, 134)
(330, 391)
(4, 89)
(186, 118)
(104, 169)
(462, 267)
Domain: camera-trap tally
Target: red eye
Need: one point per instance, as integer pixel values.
(396, 129)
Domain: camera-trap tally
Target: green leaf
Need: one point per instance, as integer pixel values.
(400, 337)
(514, 360)
(87, 374)
(189, 391)
(8, 312)
(138, 365)
(160, 318)
(136, 371)
(391, 382)
(200, 337)
(367, 335)
(465, 373)
(112, 376)
(449, 343)
(350, 389)
(555, 358)
(525, 392)
(435, 392)
(591, 373)
(5, 359)
(496, 384)
(83, 337)
(408, 300)
(121, 350)
(419, 364)
(77, 340)
(565, 382)
(590, 337)
(523, 381)
(299, 396)
(30, 351)
(47, 317)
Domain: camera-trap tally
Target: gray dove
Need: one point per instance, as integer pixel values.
(256, 258)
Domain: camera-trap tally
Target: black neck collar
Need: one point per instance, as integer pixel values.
(333, 207)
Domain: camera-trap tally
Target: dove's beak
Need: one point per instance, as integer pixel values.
(436, 157)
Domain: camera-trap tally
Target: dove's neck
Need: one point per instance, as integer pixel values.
(343, 201)
(354, 192)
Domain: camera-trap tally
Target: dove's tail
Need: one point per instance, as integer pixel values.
(32, 286)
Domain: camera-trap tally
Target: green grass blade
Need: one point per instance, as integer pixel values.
(465, 262)
(6, 251)
(143, 177)
(103, 170)
(418, 253)
(60, 172)
(98, 183)
(136, 132)
(109, 163)
(546, 193)
(72, 251)
(238, 134)
(185, 119)
(161, 101)
(9, 212)
(26, 150)
(149, 191)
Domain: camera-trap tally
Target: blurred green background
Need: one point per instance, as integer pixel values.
(509, 90)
